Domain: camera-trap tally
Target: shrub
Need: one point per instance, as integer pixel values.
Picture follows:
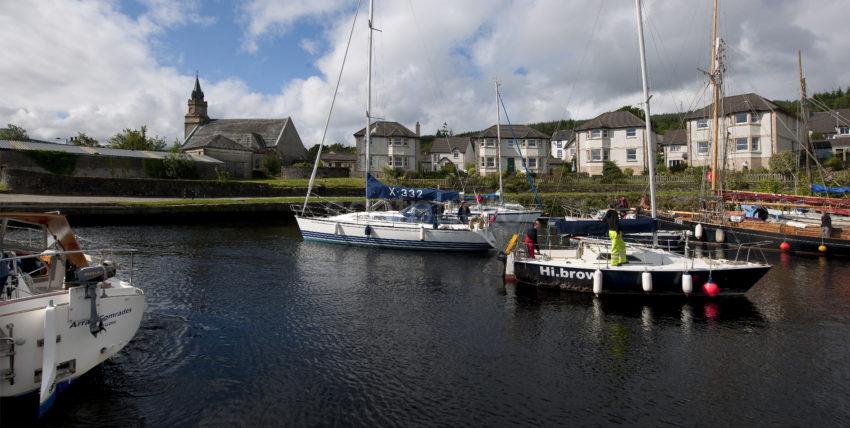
(271, 163)
(611, 173)
(783, 163)
(302, 165)
(835, 163)
(676, 169)
(770, 186)
(628, 172)
(178, 166)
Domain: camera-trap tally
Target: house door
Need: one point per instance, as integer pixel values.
(511, 166)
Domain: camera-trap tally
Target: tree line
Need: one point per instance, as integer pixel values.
(128, 139)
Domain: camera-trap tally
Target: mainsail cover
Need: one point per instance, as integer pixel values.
(820, 188)
(377, 190)
(599, 227)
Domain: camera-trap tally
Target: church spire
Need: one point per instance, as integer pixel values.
(197, 93)
(197, 114)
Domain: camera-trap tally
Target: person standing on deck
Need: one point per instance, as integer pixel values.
(826, 225)
(463, 212)
(615, 233)
(530, 239)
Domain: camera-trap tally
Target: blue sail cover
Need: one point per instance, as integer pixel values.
(820, 188)
(599, 227)
(377, 190)
(485, 196)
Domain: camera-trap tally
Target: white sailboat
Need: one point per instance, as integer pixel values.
(501, 211)
(648, 271)
(420, 226)
(61, 314)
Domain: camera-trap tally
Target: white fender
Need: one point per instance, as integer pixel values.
(48, 361)
(646, 281)
(337, 229)
(597, 282)
(719, 235)
(510, 276)
(698, 231)
(687, 283)
(421, 233)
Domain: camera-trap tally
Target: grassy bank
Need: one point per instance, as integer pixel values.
(337, 183)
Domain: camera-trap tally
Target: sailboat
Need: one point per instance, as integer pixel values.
(61, 313)
(796, 225)
(501, 211)
(421, 226)
(649, 271)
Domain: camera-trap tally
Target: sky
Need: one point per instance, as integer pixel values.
(101, 66)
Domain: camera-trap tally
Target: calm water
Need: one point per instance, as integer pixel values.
(250, 326)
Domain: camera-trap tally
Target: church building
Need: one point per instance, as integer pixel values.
(240, 143)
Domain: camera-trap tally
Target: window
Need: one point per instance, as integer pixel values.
(675, 148)
(702, 123)
(491, 162)
(511, 142)
(755, 118)
(702, 147)
(557, 144)
(598, 133)
(491, 142)
(482, 162)
(456, 154)
(631, 155)
(756, 144)
(532, 162)
(560, 154)
(398, 141)
(741, 144)
(844, 130)
(572, 152)
(596, 155)
(631, 132)
(674, 162)
(531, 144)
(740, 118)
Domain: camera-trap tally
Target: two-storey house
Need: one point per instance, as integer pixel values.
(830, 131)
(563, 145)
(752, 129)
(392, 145)
(518, 142)
(451, 150)
(617, 136)
(674, 144)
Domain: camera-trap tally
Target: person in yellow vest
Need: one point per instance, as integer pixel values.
(615, 233)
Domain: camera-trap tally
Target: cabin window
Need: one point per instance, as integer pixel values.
(631, 155)
(740, 118)
(756, 144)
(740, 144)
(631, 132)
(702, 147)
(702, 123)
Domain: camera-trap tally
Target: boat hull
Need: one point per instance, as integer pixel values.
(510, 216)
(395, 236)
(629, 281)
(798, 243)
(77, 350)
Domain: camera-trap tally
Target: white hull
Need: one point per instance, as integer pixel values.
(76, 351)
(350, 229)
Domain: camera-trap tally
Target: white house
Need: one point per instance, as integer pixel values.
(674, 144)
(392, 145)
(752, 129)
(456, 150)
(563, 145)
(618, 136)
(531, 143)
(830, 132)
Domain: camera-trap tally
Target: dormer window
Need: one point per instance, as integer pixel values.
(456, 154)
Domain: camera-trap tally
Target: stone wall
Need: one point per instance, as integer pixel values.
(287, 172)
(99, 166)
(37, 183)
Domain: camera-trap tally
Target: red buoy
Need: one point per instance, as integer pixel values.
(784, 246)
(711, 288)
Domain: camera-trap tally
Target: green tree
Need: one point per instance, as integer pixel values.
(84, 140)
(271, 163)
(178, 165)
(13, 133)
(131, 139)
(611, 173)
(783, 163)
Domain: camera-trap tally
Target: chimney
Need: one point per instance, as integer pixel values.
(417, 128)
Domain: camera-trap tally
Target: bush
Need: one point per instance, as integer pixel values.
(179, 166)
(302, 165)
(611, 173)
(835, 163)
(271, 163)
(676, 169)
(770, 186)
(783, 163)
(628, 172)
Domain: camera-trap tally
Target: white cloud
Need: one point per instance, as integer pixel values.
(433, 62)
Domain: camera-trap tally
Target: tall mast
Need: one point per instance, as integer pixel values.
(499, 138)
(650, 146)
(806, 142)
(715, 50)
(368, 136)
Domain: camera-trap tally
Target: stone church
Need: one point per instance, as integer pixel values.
(239, 143)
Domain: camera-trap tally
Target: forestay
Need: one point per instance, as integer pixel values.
(377, 190)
